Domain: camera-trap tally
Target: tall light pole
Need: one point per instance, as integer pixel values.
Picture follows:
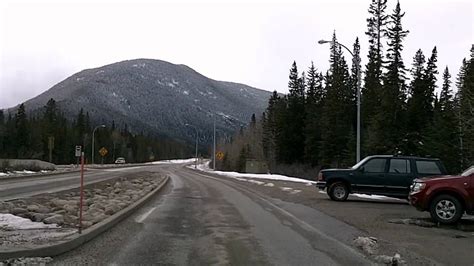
(93, 140)
(214, 150)
(195, 160)
(356, 61)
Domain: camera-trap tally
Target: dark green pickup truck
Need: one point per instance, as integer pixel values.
(385, 175)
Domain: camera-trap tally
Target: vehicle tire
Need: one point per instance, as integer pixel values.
(338, 191)
(446, 209)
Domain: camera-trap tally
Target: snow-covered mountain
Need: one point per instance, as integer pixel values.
(157, 97)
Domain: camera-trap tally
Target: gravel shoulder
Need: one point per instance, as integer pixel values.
(390, 221)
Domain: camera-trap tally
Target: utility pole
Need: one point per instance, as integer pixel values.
(214, 150)
(195, 161)
(93, 140)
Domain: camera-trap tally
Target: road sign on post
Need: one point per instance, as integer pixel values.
(78, 151)
(103, 151)
(220, 156)
(81, 200)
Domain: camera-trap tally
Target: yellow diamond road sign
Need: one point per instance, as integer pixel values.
(103, 151)
(220, 156)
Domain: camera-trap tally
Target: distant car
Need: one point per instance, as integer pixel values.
(386, 175)
(447, 198)
(120, 160)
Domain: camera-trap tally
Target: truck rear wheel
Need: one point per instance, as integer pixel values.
(338, 191)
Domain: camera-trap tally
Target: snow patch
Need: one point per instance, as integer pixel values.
(99, 72)
(175, 161)
(3, 174)
(375, 197)
(269, 185)
(169, 84)
(205, 167)
(286, 188)
(142, 65)
(12, 222)
(186, 92)
(79, 79)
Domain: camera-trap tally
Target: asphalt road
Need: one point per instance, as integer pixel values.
(13, 188)
(200, 220)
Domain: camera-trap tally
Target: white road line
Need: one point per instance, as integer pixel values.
(144, 216)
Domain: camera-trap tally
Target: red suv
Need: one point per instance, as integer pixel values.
(447, 198)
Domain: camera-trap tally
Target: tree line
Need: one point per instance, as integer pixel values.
(29, 136)
(401, 113)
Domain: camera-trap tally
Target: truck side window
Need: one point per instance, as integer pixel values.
(428, 167)
(375, 166)
(399, 166)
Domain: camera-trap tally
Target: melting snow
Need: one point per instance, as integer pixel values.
(10, 221)
(205, 167)
(175, 161)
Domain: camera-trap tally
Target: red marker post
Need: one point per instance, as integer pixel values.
(82, 193)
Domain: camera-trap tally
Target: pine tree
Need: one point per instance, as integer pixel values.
(335, 123)
(293, 143)
(22, 133)
(3, 132)
(466, 109)
(372, 90)
(442, 138)
(313, 109)
(386, 130)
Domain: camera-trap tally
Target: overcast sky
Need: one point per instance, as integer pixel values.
(251, 42)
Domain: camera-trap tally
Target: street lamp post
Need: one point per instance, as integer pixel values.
(214, 150)
(93, 140)
(195, 161)
(356, 61)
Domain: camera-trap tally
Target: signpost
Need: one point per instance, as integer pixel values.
(78, 154)
(220, 156)
(81, 192)
(50, 148)
(103, 151)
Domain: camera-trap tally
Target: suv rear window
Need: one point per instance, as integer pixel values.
(428, 167)
(399, 166)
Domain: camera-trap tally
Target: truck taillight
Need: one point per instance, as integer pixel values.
(320, 177)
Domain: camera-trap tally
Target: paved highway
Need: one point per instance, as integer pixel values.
(14, 188)
(202, 219)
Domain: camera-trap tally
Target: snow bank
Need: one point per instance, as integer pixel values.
(10, 221)
(205, 167)
(175, 161)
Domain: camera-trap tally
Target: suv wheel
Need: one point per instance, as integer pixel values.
(446, 209)
(338, 191)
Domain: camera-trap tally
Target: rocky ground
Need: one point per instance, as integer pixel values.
(101, 200)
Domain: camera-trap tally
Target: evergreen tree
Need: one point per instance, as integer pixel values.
(22, 133)
(293, 143)
(466, 110)
(336, 124)
(372, 90)
(3, 132)
(442, 138)
(313, 110)
(386, 130)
